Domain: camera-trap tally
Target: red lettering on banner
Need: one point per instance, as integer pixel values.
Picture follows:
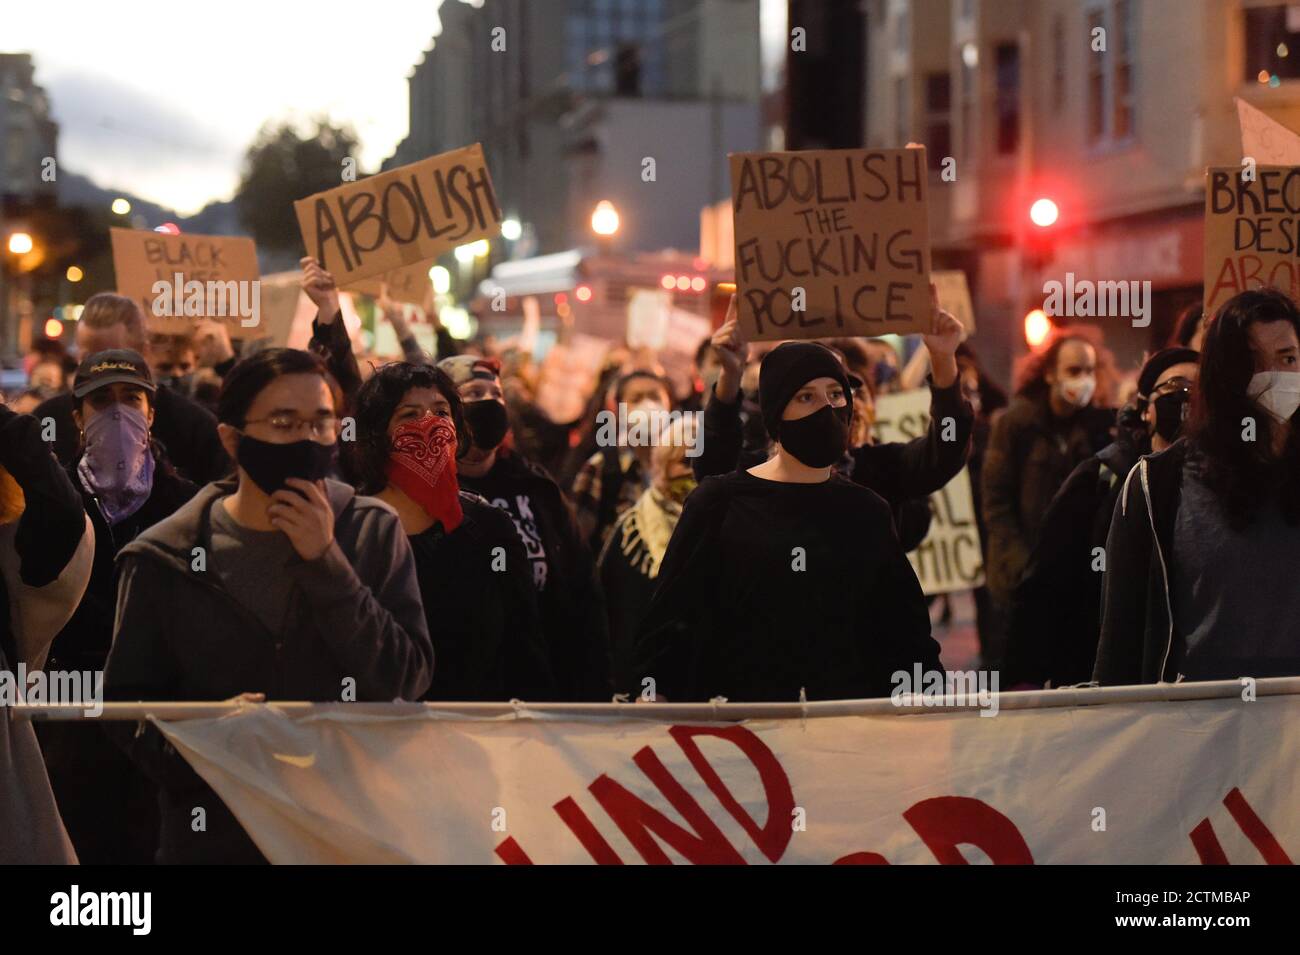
(637, 818)
(512, 854)
(601, 851)
(861, 858)
(1211, 852)
(945, 822)
(774, 836)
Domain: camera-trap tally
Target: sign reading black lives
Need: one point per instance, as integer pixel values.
(831, 242)
(402, 217)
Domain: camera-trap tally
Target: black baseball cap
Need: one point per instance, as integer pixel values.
(116, 365)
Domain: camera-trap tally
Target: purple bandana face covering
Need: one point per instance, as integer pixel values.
(117, 466)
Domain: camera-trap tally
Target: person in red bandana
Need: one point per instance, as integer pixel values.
(474, 576)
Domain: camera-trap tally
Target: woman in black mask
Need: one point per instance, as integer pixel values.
(786, 577)
(280, 584)
(563, 571)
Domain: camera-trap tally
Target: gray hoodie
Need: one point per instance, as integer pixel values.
(179, 635)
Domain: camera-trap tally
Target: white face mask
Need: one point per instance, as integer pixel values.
(1078, 390)
(1277, 392)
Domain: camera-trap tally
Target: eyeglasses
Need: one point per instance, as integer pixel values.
(289, 424)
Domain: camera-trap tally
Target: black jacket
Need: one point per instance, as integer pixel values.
(186, 430)
(482, 610)
(1029, 457)
(85, 640)
(571, 605)
(179, 635)
(1138, 642)
(1056, 613)
(53, 522)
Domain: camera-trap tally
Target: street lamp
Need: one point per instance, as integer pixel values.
(20, 243)
(121, 207)
(511, 230)
(1043, 213)
(604, 219)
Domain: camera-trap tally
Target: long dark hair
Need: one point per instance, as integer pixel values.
(1242, 474)
(1030, 374)
(365, 460)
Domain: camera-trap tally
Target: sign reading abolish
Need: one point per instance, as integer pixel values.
(178, 279)
(950, 557)
(832, 242)
(828, 789)
(402, 217)
(1252, 232)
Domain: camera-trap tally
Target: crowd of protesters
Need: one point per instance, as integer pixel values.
(204, 524)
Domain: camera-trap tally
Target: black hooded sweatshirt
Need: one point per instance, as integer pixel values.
(564, 575)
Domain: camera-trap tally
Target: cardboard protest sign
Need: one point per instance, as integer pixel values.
(399, 218)
(179, 279)
(1252, 232)
(1264, 139)
(954, 296)
(950, 557)
(568, 374)
(409, 284)
(831, 242)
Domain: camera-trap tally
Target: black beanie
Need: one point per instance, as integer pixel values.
(1157, 364)
(786, 369)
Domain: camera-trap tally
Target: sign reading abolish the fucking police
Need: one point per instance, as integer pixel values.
(831, 242)
(1252, 231)
(406, 216)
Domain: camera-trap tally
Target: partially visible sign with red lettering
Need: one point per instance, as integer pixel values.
(1252, 231)
(831, 242)
(1155, 781)
(402, 217)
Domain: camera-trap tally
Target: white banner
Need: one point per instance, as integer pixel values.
(1127, 782)
(950, 557)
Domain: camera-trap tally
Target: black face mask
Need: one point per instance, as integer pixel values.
(270, 465)
(818, 440)
(487, 422)
(1171, 412)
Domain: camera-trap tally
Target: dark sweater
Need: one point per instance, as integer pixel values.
(482, 609)
(734, 615)
(563, 574)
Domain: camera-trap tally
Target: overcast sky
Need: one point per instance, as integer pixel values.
(161, 97)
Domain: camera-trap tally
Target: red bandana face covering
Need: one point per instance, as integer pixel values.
(423, 465)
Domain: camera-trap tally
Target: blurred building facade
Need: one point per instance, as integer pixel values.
(28, 133)
(1018, 93)
(571, 97)
(28, 143)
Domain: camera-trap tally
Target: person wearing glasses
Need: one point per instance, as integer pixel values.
(277, 584)
(1056, 611)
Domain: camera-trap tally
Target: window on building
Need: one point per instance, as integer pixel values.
(938, 117)
(902, 112)
(967, 91)
(1272, 43)
(1058, 63)
(1112, 73)
(1007, 57)
(605, 37)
